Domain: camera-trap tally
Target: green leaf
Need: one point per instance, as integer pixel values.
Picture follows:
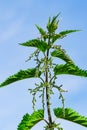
(61, 53)
(53, 24)
(68, 31)
(29, 121)
(42, 32)
(69, 69)
(62, 34)
(21, 75)
(71, 115)
(41, 45)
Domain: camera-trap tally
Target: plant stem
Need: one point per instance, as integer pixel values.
(47, 90)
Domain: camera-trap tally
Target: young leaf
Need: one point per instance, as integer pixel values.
(52, 24)
(30, 120)
(61, 53)
(41, 31)
(21, 75)
(71, 115)
(69, 69)
(41, 45)
(62, 34)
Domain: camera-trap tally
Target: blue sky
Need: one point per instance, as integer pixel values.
(17, 24)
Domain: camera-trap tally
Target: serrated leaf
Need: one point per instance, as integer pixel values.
(69, 69)
(41, 45)
(71, 115)
(61, 53)
(21, 75)
(29, 121)
(62, 34)
(68, 31)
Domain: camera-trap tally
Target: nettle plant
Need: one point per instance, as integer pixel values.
(46, 50)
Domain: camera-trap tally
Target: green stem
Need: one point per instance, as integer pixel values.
(47, 90)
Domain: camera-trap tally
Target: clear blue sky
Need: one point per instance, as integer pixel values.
(17, 24)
